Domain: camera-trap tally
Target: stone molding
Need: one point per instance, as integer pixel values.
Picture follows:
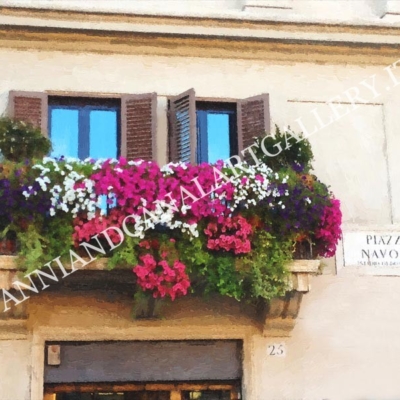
(301, 270)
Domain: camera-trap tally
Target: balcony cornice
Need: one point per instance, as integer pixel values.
(73, 31)
(292, 15)
(200, 26)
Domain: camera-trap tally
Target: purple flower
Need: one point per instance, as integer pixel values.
(297, 167)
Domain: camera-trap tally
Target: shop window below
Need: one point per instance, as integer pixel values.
(155, 391)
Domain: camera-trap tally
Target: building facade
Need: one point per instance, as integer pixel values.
(326, 68)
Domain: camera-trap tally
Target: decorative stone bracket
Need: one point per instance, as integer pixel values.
(279, 315)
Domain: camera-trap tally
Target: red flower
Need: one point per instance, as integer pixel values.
(145, 244)
(167, 281)
(232, 235)
(329, 231)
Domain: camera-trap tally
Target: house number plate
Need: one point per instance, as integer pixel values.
(276, 350)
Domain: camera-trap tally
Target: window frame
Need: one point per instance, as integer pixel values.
(84, 106)
(203, 108)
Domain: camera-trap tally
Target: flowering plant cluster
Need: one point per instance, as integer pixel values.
(20, 141)
(201, 228)
(163, 278)
(233, 236)
(329, 232)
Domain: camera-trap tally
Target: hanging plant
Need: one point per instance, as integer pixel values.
(20, 141)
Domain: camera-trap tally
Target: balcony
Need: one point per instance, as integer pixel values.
(213, 237)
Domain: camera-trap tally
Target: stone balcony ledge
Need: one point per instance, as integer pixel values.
(275, 318)
(300, 272)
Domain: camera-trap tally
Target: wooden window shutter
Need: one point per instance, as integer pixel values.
(30, 107)
(253, 119)
(139, 126)
(182, 133)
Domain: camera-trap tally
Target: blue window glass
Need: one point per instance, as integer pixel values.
(218, 137)
(64, 132)
(216, 131)
(83, 131)
(103, 134)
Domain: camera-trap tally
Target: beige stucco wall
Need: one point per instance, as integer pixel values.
(15, 369)
(361, 144)
(345, 344)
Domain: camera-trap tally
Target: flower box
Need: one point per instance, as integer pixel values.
(209, 229)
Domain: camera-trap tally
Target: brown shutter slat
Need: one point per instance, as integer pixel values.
(30, 107)
(253, 119)
(139, 126)
(182, 133)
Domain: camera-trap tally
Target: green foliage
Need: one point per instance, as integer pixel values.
(222, 277)
(193, 254)
(42, 241)
(211, 272)
(20, 141)
(31, 249)
(126, 255)
(285, 149)
(259, 274)
(266, 275)
(58, 233)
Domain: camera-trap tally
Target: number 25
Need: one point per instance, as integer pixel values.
(275, 349)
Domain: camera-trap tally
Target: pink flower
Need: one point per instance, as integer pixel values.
(161, 278)
(232, 235)
(145, 244)
(329, 231)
